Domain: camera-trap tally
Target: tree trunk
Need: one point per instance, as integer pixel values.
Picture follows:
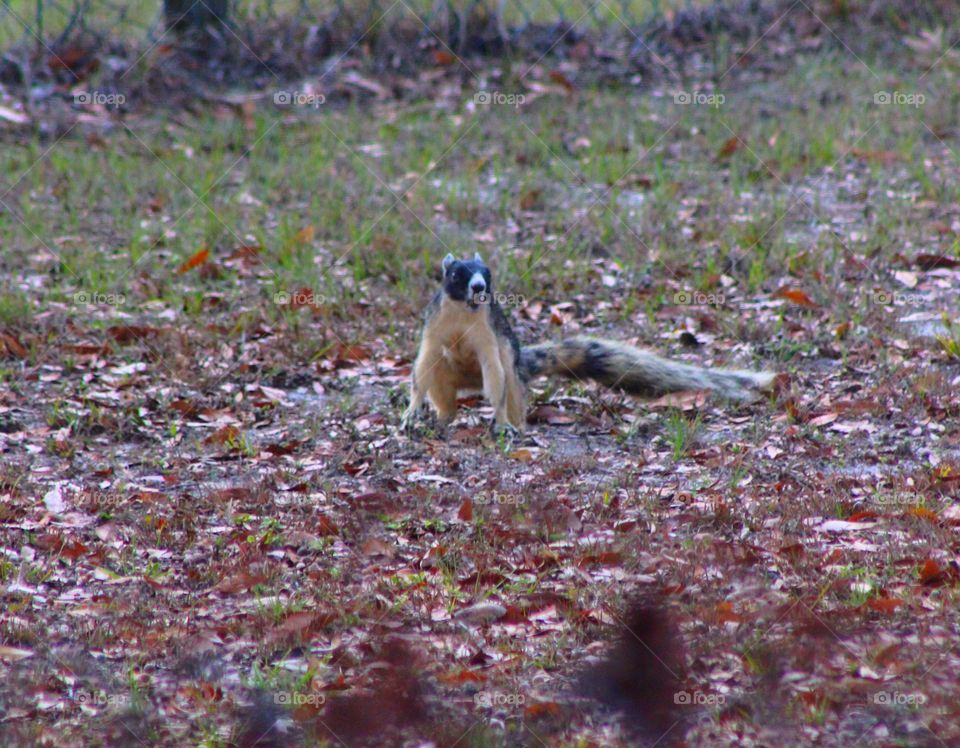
(186, 15)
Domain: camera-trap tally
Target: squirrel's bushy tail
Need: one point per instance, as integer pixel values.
(636, 371)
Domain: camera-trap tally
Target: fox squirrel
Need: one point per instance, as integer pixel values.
(468, 344)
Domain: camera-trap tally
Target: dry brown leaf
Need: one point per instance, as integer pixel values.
(199, 258)
(731, 146)
(884, 604)
(223, 436)
(557, 77)
(796, 296)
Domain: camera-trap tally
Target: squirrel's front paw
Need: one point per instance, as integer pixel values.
(408, 423)
(504, 433)
(411, 425)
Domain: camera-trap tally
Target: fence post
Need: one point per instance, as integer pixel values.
(185, 15)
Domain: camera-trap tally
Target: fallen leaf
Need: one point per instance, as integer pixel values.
(130, 333)
(824, 420)
(839, 525)
(921, 512)
(907, 278)
(306, 234)
(932, 262)
(53, 501)
(543, 709)
(557, 77)
(796, 296)
(200, 257)
(12, 346)
(523, 455)
(529, 199)
(881, 157)
(931, 572)
(884, 604)
(14, 653)
(12, 115)
(481, 613)
(731, 146)
(239, 582)
(223, 436)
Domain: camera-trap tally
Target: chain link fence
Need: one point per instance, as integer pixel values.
(52, 47)
(175, 44)
(53, 23)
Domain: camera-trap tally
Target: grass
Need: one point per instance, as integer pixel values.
(317, 231)
(280, 185)
(598, 207)
(681, 433)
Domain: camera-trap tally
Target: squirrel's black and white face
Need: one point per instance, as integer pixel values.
(467, 280)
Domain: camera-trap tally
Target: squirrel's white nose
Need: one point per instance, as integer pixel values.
(477, 283)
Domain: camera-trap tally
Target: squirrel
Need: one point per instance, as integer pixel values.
(467, 344)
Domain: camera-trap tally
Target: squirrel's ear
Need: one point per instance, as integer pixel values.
(477, 257)
(448, 261)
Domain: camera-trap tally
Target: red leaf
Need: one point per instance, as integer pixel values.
(729, 148)
(12, 346)
(130, 333)
(466, 511)
(793, 551)
(281, 450)
(302, 625)
(931, 573)
(529, 199)
(515, 615)
(932, 262)
(881, 157)
(326, 527)
(184, 407)
(884, 604)
(550, 414)
(921, 512)
(89, 350)
(245, 254)
(344, 356)
(198, 259)
(306, 234)
(73, 550)
(233, 493)
(796, 296)
(304, 297)
(224, 435)
(557, 77)
(605, 558)
(543, 709)
(460, 677)
(239, 582)
(726, 614)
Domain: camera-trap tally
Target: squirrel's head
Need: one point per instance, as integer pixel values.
(467, 280)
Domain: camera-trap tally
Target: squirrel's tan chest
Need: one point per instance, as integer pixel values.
(466, 338)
